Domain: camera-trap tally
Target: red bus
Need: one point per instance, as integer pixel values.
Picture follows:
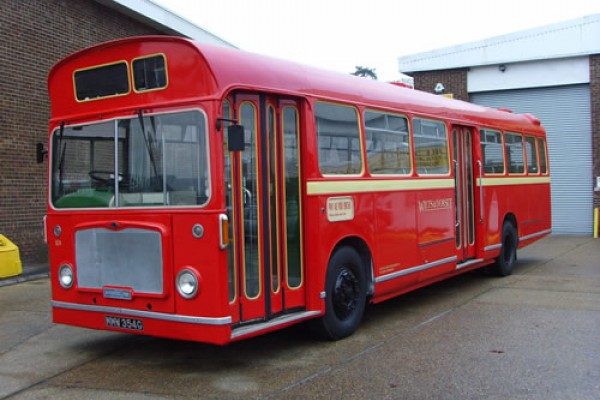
(208, 194)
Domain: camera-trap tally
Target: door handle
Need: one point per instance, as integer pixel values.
(247, 195)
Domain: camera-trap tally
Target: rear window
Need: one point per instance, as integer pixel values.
(101, 81)
(543, 161)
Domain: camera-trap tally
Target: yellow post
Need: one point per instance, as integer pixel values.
(596, 223)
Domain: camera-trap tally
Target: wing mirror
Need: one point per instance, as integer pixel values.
(235, 138)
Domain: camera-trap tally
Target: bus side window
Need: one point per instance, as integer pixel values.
(513, 145)
(431, 147)
(543, 160)
(491, 151)
(531, 152)
(388, 144)
(338, 138)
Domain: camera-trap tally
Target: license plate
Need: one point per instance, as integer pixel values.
(124, 323)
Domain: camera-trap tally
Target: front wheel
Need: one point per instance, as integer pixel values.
(508, 252)
(345, 289)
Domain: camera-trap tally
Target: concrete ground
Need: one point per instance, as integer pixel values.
(533, 335)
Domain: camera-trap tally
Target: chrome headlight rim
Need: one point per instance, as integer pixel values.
(196, 281)
(70, 275)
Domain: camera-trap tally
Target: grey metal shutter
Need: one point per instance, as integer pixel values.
(565, 113)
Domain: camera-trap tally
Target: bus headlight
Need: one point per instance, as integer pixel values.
(187, 284)
(65, 276)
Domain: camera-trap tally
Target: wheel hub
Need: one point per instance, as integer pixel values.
(345, 294)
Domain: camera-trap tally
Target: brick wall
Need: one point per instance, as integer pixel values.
(454, 80)
(35, 34)
(595, 106)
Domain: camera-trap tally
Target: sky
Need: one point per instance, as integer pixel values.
(341, 34)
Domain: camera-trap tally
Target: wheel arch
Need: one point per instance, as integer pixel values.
(363, 250)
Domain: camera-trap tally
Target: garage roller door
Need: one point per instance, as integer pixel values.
(565, 113)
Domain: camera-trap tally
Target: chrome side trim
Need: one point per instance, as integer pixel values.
(143, 314)
(532, 235)
(284, 319)
(492, 247)
(412, 270)
(468, 263)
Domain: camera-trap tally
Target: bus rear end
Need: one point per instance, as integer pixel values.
(136, 226)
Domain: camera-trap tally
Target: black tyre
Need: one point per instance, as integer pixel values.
(345, 289)
(508, 252)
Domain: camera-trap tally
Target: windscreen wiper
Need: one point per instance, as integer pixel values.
(61, 156)
(147, 141)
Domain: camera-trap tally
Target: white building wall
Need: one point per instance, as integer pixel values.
(543, 73)
(578, 37)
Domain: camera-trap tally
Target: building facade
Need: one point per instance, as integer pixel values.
(552, 72)
(35, 35)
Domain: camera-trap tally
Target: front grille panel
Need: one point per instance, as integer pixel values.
(126, 258)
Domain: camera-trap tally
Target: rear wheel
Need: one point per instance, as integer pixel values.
(345, 289)
(508, 252)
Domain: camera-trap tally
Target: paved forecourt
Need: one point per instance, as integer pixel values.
(532, 335)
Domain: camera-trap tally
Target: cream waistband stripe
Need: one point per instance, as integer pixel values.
(373, 185)
(525, 180)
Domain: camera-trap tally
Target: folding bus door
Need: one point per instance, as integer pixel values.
(265, 190)
(464, 179)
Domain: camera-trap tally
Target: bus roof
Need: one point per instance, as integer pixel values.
(236, 69)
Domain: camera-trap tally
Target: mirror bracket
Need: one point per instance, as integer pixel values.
(40, 152)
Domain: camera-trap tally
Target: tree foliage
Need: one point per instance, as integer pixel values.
(365, 72)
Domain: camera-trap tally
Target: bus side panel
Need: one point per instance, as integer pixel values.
(436, 236)
(395, 238)
(527, 202)
(322, 235)
(539, 212)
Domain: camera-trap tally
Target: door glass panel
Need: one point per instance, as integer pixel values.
(469, 184)
(457, 202)
(292, 196)
(227, 162)
(274, 217)
(249, 194)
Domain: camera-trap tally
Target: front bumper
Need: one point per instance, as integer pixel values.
(216, 330)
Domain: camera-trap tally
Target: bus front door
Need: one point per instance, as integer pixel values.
(462, 157)
(266, 200)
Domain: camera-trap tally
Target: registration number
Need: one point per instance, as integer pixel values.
(124, 323)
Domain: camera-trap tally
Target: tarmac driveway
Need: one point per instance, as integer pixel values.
(533, 335)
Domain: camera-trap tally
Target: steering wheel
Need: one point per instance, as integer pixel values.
(97, 175)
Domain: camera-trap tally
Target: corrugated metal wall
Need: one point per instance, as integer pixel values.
(565, 113)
